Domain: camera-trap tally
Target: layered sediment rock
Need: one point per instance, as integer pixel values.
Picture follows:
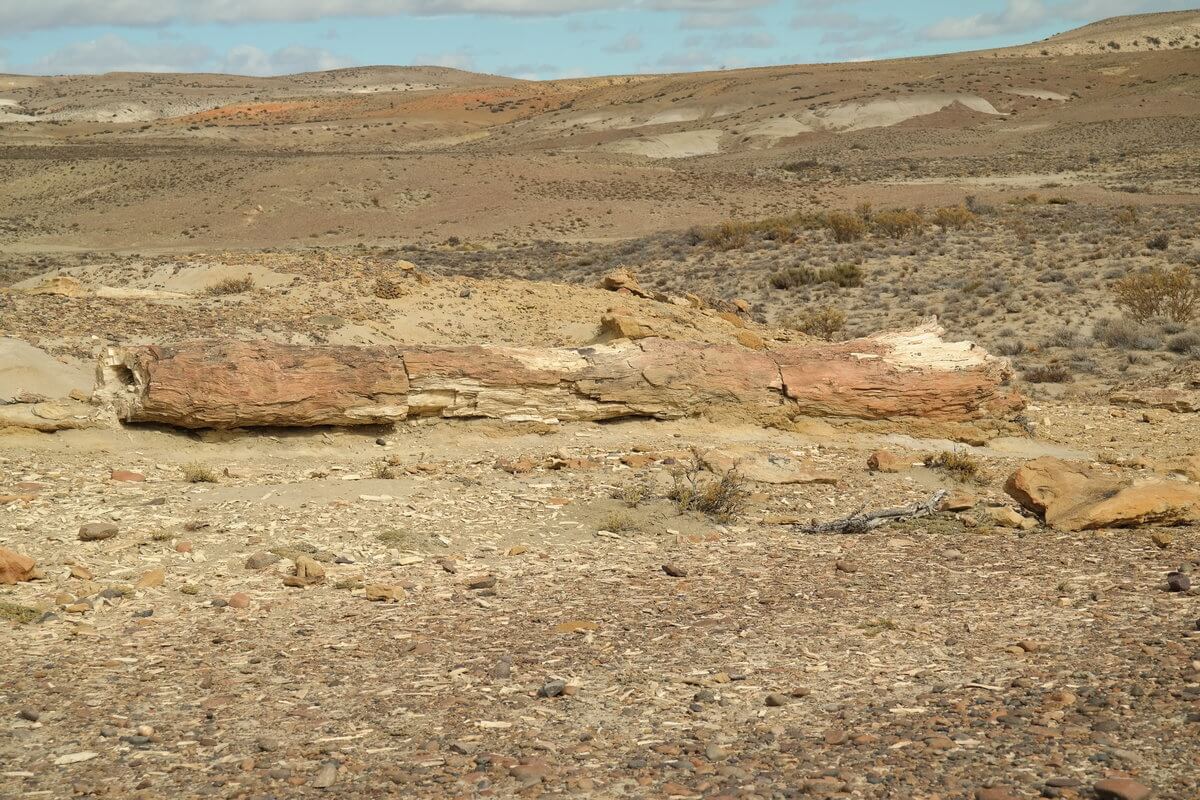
(225, 384)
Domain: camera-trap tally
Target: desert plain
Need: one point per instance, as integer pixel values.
(409, 432)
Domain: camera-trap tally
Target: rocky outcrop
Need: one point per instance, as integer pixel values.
(1177, 399)
(1072, 496)
(912, 375)
(49, 416)
(623, 281)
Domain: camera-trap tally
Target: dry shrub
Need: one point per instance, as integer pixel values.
(954, 217)
(844, 275)
(1048, 373)
(231, 286)
(728, 236)
(1127, 216)
(825, 322)
(723, 498)
(1157, 292)
(959, 465)
(616, 522)
(198, 473)
(845, 227)
(1159, 241)
(898, 223)
(1124, 334)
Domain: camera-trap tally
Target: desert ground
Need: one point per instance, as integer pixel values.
(571, 548)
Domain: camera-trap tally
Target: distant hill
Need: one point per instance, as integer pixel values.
(1170, 30)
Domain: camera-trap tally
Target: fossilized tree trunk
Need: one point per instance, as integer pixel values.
(224, 384)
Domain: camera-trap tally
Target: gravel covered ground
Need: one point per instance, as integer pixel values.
(525, 648)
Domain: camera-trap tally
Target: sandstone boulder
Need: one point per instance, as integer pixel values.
(622, 280)
(1072, 496)
(887, 461)
(15, 568)
(625, 326)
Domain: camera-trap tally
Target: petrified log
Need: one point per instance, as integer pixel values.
(207, 384)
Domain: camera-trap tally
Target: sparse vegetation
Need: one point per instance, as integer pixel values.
(1158, 292)
(898, 223)
(954, 217)
(382, 470)
(958, 464)
(1048, 373)
(720, 498)
(1159, 241)
(845, 227)
(227, 286)
(842, 275)
(198, 473)
(825, 323)
(617, 522)
(15, 612)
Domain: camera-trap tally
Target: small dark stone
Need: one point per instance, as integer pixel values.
(552, 688)
(29, 714)
(145, 612)
(674, 570)
(1178, 582)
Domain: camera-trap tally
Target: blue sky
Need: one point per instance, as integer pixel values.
(522, 38)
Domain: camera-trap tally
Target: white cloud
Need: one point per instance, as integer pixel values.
(1016, 16)
(629, 43)
(718, 20)
(111, 53)
(24, 15)
(247, 59)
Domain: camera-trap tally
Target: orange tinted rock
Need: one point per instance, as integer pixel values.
(1072, 496)
(623, 279)
(15, 568)
(887, 461)
(900, 376)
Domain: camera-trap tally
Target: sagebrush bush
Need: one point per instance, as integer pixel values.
(958, 464)
(843, 275)
(898, 223)
(231, 286)
(845, 227)
(1124, 334)
(728, 236)
(723, 498)
(954, 217)
(1184, 343)
(198, 473)
(1048, 373)
(825, 322)
(1158, 292)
